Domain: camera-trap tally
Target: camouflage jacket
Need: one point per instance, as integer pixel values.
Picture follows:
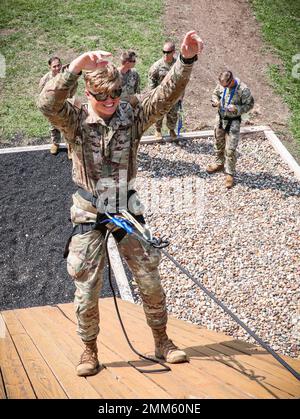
(130, 84)
(104, 154)
(48, 76)
(158, 71)
(44, 80)
(242, 99)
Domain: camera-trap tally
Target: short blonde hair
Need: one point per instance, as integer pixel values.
(104, 79)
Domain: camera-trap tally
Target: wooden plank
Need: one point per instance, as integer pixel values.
(283, 152)
(16, 382)
(173, 385)
(276, 376)
(181, 382)
(119, 348)
(146, 139)
(2, 387)
(2, 336)
(265, 362)
(40, 375)
(212, 384)
(150, 139)
(258, 353)
(270, 387)
(74, 386)
(123, 373)
(118, 270)
(108, 386)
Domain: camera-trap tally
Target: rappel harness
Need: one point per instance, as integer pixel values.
(129, 224)
(223, 108)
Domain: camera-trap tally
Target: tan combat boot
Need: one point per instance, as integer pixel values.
(69, 151)
(89, 364)
(229, 181)
(214, 167)
(158, 135)
(173, 134)
(165, 348)
(54, 148)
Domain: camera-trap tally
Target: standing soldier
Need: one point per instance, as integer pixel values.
(105, 135)
(157, 73)
(232, 98)
(130, 77)
(55, 67)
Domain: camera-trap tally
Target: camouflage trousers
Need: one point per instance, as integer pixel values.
(171, 117)
(85, 264)
(226, 144)
(55, 135)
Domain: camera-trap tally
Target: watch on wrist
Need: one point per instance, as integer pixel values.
(189, 60)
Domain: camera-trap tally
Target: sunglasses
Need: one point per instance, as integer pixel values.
(101, 97)
(131, 61)
(228, 82)
(168, 52)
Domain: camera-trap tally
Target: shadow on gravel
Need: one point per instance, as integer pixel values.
(265, 180)
(159, 167)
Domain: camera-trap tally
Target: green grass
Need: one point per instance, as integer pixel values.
(281, 29)
(31, 31)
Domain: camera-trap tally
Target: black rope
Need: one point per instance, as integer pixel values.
(164, 368)
(161, 244)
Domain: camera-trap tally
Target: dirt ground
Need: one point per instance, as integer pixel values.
(232, 39)
(33, 186)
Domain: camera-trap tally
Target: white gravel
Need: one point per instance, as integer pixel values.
(244, 241)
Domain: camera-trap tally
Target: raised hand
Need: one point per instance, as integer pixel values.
(191, 45)
(90, 60)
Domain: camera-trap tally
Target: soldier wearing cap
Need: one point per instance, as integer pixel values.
(157, 73)
(105, 135)
(232, 98)
(130, 77)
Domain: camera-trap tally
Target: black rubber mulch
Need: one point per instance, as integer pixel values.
(35, 200)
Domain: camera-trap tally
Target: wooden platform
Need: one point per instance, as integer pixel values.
(39, 349)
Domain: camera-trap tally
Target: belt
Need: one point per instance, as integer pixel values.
(99, 224)
(88, 196)
(229, 119)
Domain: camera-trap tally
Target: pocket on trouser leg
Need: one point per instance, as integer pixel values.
(84, 254)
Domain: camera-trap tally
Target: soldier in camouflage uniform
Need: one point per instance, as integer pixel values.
(232, 98)
(130, 77)
(105, 136)
(56, 67)
(157, 73)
